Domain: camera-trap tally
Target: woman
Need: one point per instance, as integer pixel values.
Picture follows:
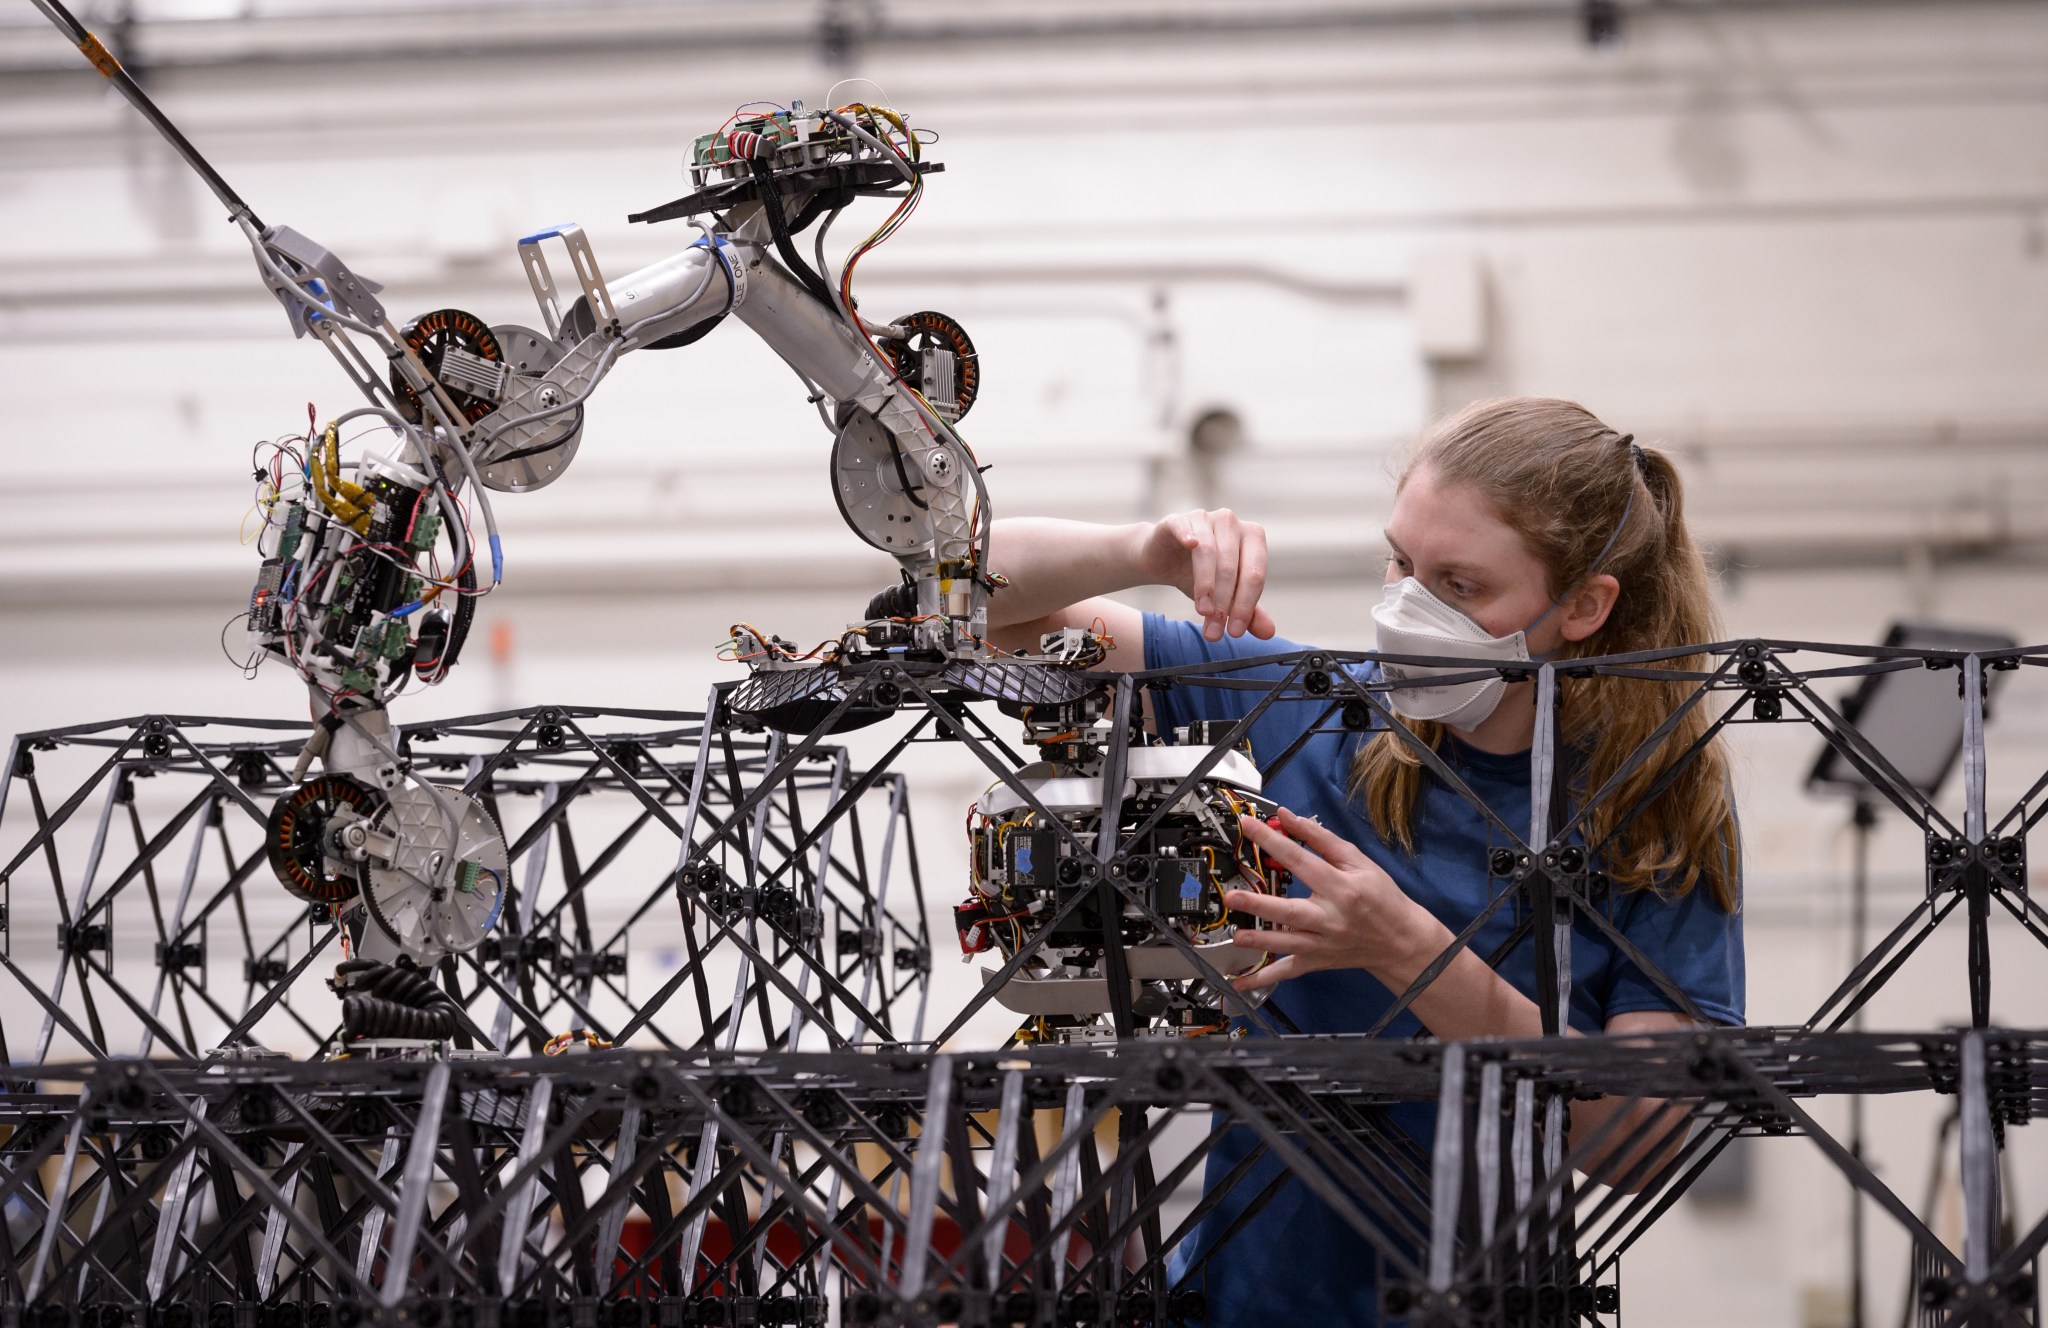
(1521, 529)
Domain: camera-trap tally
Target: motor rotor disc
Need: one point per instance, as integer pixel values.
(530, 456)
(407, 896)
(868, 480)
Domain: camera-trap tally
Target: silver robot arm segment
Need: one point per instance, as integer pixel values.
(904, 481)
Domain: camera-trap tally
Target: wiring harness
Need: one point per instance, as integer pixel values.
(369, 575)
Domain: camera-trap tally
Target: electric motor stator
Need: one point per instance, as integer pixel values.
(472, 386)
(302, 824)
(950, 390)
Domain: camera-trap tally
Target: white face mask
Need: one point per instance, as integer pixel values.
(1411, 621)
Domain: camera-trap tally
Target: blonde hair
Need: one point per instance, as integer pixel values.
(1561, 479)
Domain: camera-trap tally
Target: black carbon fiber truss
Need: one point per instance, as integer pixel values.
(766, 913)
(1547, 869)
(901, 1187)
(894, 1184)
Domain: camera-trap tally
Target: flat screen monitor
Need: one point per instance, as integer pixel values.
(1913, 716)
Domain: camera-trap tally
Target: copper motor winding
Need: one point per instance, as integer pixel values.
(298, 833)
(927, 328)
(430, 336)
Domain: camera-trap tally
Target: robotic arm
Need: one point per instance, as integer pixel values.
(351, 593)
(505, 403)
(371, 570)
(905, 481)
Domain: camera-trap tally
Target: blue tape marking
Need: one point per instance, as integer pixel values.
(315, 286)
(732, 284)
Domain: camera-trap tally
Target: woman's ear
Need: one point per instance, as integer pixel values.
(1586, 608)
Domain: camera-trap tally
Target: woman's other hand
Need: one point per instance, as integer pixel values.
(1354, 916)
(1217, 560)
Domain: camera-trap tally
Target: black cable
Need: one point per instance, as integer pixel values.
(909, 490)
(833, 201)
(392, 1000)
(778, 227)
(563, 441)
(247, 666)
(465, 580)
(817, 243)
(895, 453)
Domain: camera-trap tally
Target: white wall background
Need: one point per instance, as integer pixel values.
(1804, 246)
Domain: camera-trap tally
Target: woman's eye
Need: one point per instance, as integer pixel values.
(1463, 589)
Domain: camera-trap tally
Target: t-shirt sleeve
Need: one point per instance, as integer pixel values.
(1694, 942)
(1172, 643)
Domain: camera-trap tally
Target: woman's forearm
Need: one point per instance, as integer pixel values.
(1470, 1000)
(1051, 563)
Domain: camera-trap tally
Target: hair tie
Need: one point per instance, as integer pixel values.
(1635, 454)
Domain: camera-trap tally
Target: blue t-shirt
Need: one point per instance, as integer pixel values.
(1295, 1254)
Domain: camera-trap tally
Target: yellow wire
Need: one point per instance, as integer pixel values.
(346, 499)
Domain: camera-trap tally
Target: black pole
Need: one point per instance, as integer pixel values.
(1551, 918)
(1977, 874)
(1862, 820)
(1109, 903)
(103, 60)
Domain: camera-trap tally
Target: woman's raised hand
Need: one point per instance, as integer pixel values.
(1217, 560)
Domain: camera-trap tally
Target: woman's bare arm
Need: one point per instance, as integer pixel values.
(1059, 571)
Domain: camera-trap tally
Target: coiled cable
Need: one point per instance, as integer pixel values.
(392, 1001)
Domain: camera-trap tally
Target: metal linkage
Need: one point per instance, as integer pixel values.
(641, 902)
(916, 1188)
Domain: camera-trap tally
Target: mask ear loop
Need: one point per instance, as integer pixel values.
(1599, 560)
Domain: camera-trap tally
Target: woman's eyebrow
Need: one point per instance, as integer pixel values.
(1466, 570)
